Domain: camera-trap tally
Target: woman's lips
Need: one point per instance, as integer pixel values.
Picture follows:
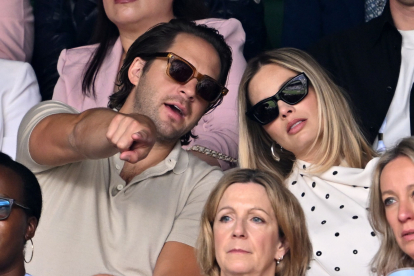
(408, 235)
(241, 251)
(124, 1)
(295, 126)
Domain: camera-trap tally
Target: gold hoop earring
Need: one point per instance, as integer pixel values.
(275, 156)
(31, 256)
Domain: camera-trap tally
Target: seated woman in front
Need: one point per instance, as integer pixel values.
(252, 225)
(295, 121)
(392, 208)
(20, 209)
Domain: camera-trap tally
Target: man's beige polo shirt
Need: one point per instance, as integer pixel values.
(93, 223)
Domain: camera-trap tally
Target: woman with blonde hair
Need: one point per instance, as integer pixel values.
(392, 208)
(295, 122)
(253, 225)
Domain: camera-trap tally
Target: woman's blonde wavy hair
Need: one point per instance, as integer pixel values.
(389, 256)
(341, 138)
(289, 215)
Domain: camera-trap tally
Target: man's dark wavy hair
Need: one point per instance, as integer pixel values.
(159, 39)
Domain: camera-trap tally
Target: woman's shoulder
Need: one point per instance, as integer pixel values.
(75, 59)
(9, 67)
(78, 54)
(224, 26)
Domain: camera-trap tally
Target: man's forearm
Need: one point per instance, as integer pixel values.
(66, 138)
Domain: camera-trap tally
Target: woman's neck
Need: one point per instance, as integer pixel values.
(129, 33)
(269, 271)
(16, 270)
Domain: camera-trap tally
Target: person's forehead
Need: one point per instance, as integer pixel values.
(11, 184)
(199, 52)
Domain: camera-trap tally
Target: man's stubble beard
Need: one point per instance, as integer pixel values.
(146, 104)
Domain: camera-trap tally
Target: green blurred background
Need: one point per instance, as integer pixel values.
(273, 21)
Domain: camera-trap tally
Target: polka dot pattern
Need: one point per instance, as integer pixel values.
(336, 217)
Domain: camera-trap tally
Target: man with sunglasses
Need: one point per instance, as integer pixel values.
(121, 196)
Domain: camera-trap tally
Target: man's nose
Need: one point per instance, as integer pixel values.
(189, 89)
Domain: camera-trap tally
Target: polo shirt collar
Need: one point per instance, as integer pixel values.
(178, 159)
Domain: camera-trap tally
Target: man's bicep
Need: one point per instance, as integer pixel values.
(49, 142)
(177, 259)
(38, 137)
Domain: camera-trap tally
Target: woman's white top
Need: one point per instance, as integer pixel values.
(335, 205)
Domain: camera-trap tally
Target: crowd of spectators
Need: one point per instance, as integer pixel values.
(152, 126)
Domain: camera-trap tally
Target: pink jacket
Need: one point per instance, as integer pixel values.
(16, 30)
(217, 130)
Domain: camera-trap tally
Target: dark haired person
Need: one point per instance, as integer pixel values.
(374, 62)
(20, 209)
(122, 197)
(88, 75)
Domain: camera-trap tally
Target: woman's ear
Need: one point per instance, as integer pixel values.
(282, 249)
(135, 70)
(31, 228)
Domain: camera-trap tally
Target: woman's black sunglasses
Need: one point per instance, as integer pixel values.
(183, 71)
(267, 110)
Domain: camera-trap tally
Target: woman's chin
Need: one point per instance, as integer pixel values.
(237, 268)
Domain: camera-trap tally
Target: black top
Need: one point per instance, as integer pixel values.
(365, 61)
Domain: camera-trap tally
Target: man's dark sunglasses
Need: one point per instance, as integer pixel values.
(6, 205)
(183, 71)
(267, 110)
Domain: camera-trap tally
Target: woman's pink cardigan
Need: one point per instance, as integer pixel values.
(16, 30)
(217, 130)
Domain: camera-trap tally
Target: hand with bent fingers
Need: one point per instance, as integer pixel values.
(133, 135)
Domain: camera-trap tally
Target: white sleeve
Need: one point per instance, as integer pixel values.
(19, 93)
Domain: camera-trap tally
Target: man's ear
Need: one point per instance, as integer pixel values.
(135, 70)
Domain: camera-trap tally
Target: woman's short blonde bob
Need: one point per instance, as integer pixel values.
(289, 216)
